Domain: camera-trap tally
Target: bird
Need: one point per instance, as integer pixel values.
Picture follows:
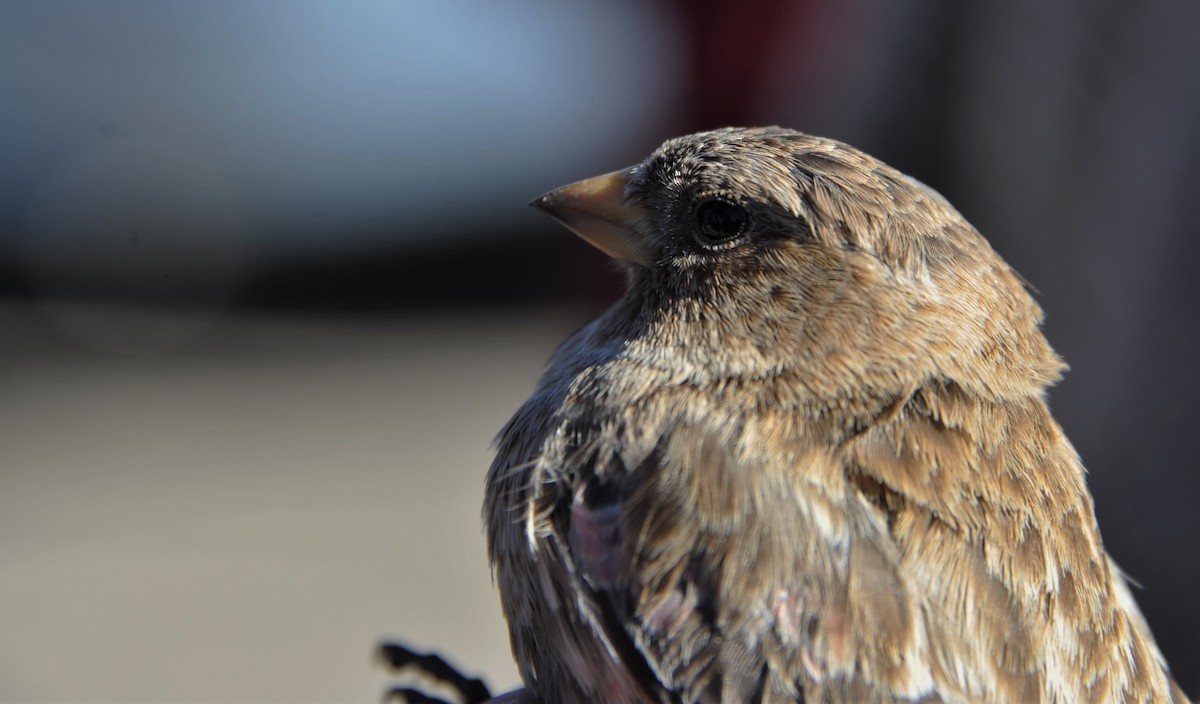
(805, 457)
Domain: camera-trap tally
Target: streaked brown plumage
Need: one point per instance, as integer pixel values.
(805, 457)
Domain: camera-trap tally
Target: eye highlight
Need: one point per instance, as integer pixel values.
(719, 221)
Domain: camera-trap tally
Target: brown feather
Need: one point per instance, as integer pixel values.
(833, 473)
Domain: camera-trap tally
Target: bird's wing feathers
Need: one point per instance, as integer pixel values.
(912, 562)
(746, 578)
(992, 518)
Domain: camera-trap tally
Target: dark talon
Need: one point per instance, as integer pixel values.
(471, 689)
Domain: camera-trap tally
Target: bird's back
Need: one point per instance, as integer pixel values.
(942, 548)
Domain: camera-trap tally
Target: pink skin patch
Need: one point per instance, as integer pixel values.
(596, 539)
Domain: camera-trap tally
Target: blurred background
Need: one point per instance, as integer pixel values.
(268, 287)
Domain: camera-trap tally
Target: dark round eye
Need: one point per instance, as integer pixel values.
(720, 221)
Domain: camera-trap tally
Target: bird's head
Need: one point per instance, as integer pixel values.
(764, 252)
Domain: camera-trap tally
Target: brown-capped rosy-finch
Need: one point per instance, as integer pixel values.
(805, 458)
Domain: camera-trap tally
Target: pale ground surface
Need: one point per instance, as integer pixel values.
(242, 517)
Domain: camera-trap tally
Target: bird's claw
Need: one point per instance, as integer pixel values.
(471, 690)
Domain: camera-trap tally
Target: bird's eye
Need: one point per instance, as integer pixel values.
(719, 221)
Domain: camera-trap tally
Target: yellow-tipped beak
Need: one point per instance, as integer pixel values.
(595, 209)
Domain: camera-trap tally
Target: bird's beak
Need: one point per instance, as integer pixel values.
(595, 209)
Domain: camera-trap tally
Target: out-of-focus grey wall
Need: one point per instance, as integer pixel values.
(268, 286)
